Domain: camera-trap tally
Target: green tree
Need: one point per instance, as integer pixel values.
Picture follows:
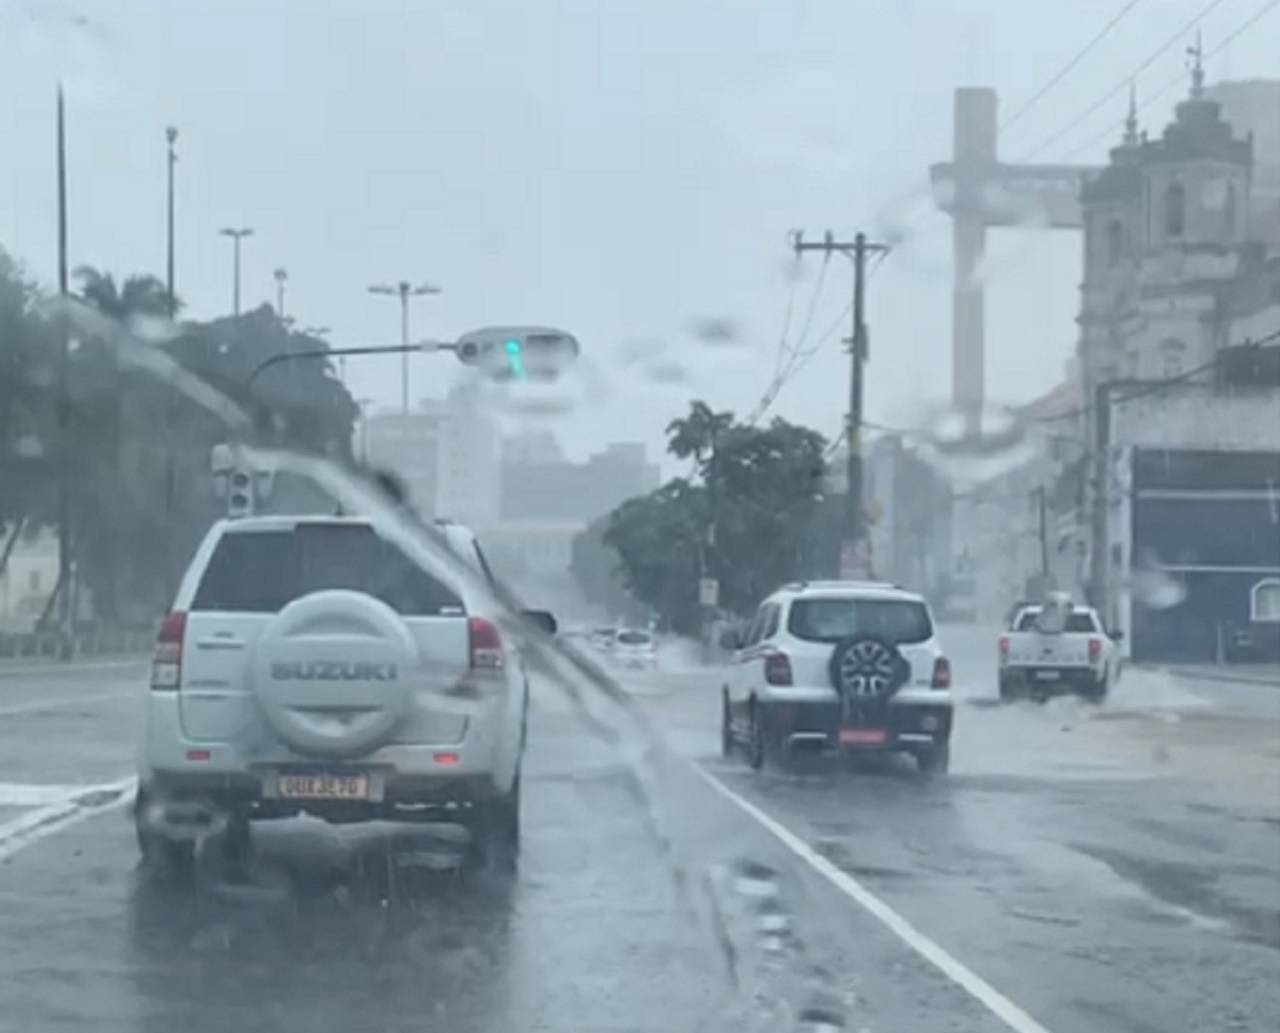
(755, 518)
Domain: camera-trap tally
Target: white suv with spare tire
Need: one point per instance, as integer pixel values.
(844, 666)
(309, 665)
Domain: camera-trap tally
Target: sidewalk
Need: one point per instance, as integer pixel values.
(1249, 674)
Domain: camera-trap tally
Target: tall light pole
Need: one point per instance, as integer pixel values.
(170, 134)
(281, 276)
(65, 614)
(236, 236)
(404, 290)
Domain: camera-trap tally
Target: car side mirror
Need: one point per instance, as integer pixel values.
(730, 640)
(1117, 636)
(543, 620)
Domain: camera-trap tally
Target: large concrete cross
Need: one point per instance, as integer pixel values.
(978, 191)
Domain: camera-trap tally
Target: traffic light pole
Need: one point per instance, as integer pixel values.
(855, 519)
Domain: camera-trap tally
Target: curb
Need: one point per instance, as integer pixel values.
(1235, 679)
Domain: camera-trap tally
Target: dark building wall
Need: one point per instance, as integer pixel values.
(1217, 511)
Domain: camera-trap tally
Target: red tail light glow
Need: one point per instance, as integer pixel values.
(777, 669)
(1095, 649)
(487, 655)
(1004, 648)
(942, 673)
(166, 664)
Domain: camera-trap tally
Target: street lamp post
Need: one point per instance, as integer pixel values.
(281, 276)
(236, 235)
(170, 474)
(404, 290)
(170, 134)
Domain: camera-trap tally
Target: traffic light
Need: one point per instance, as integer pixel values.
(518, 353)
(236, 480)
(515, 358)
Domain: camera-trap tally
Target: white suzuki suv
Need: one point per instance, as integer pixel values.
(839, 665)
(308, 665)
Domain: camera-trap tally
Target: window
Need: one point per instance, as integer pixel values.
(264, 571)
(1080, 622)
(1229, 213)
(1264, 601)
(1115, 242)
(1175, 210)
(830, 620)
(1171, 358)
(771, 621)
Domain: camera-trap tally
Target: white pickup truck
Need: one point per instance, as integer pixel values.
(1044, 655)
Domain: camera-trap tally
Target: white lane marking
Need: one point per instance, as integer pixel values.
(27, 794)
(973, 984)
(56, 667)
(36, 706)
(29, 828)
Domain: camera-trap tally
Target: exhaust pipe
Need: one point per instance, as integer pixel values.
(185, 820)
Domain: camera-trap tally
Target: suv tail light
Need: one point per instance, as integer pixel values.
(777, 668)
(486, 646)
(941, 673)
(1095, 650)
(166, 664)
(1004, 648)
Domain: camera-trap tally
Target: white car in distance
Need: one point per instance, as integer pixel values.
(636, 650)
(310, 666)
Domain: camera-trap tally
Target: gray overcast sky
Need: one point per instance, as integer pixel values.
(617, 167)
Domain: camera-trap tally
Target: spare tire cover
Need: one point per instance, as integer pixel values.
(333, 672)
(865, 668)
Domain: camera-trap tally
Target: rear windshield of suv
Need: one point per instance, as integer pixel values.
(634, 638)
(830, 620)
(1079, 623)
(264, 571)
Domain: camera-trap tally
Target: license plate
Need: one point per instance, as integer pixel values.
(863, 736)
(1048, 675)
(323, 786)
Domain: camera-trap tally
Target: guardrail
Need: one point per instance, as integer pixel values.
(55, 645)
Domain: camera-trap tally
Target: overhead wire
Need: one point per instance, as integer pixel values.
(1169, 84)
(1177, 37)
(1066, 69)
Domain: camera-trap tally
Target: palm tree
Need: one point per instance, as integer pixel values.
(695, 435)
(140, 295)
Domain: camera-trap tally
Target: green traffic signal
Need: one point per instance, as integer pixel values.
(515, 359)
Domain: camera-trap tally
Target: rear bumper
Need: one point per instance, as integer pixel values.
(817, 724)
(400, 797)
(243, 773)
(1050, 680)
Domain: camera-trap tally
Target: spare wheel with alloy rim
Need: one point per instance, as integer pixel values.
(867, 669)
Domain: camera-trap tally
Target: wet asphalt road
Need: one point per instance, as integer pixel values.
(1082, 869)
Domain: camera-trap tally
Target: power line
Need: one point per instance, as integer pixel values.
(1066, 69)
(1154, 56)
(799, 359)
(1112, 127)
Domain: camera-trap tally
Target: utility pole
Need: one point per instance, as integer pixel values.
(404, 290)
(1099, 589)
(855, 555)
(1042, 506)
(65, 615)
(236, 235)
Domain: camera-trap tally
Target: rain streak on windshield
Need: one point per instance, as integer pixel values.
(507, 506)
